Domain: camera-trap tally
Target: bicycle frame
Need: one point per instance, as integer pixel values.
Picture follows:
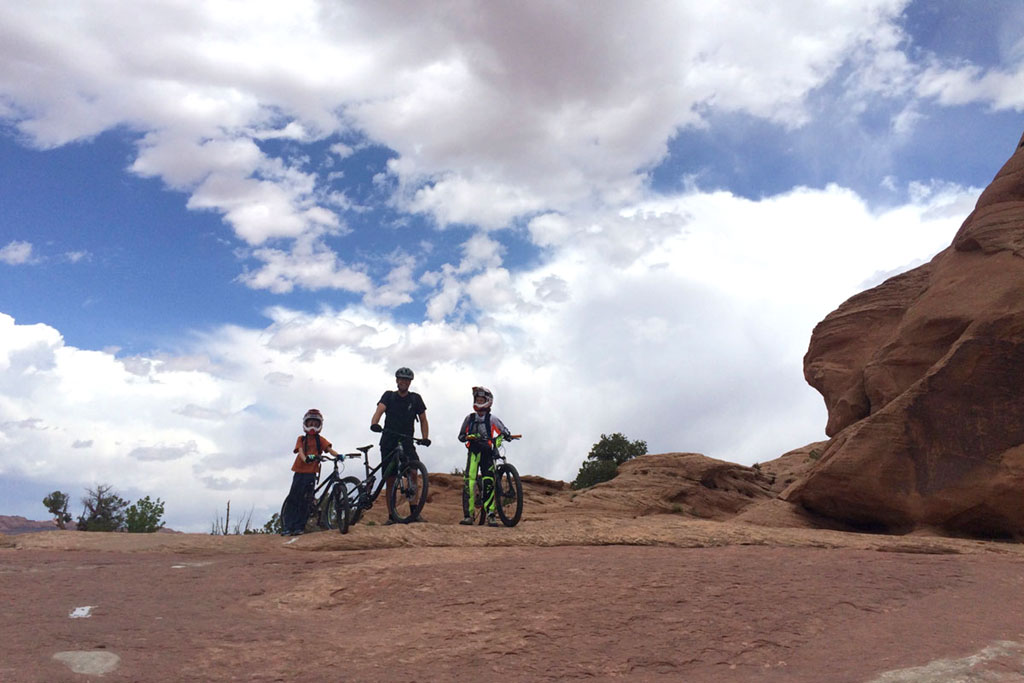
(367, 496)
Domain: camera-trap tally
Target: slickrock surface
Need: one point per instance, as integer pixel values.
(586, 586)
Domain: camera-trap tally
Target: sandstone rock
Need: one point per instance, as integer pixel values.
(14, 524)
(922, 379)
(676, 483)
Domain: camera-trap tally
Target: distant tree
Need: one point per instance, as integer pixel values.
(243, 526)
(57, 504)
(104, 510)
(274, 525)
(144, 516)
(602, 463)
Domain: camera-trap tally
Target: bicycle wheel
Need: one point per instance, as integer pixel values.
(352, 487)
(341, 510)
(409, 492)
(328, 511)
(509, 493)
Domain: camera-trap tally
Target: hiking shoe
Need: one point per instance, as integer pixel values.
(468, 521)
(492, 520)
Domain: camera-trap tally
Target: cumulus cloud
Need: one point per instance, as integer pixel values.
(681, 321)
(493, 112)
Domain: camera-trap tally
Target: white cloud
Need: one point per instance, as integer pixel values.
(494, 111)
(966, 83)
(309, 265)
(682, 322)
(16, 253)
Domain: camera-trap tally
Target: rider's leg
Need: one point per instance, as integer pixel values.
(388, 470)
(296, 509)
(487, 472)
(472, 461)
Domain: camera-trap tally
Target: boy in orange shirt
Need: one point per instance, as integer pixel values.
(306, 467)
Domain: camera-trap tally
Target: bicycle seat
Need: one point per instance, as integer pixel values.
(364, 449)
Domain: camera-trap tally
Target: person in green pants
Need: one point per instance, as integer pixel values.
(478, 432)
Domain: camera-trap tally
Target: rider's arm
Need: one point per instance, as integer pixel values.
(464, 429)
(377, 413)
(499, 426)
(424, 426)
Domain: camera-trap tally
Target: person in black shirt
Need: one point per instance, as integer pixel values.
(401, 409)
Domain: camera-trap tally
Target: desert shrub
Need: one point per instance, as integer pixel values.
(273, 525)
(144, 516)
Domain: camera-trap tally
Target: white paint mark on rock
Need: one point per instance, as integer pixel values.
(92, 662)
(291, 541)
(987, 665)
(82, 612)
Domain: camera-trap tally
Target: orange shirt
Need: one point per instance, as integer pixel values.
(300, 464)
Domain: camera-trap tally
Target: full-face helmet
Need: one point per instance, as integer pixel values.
(482, 399)
(312, 421)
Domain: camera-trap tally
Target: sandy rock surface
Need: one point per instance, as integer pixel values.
(661, 597)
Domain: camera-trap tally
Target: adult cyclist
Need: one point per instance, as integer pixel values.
(402, 409)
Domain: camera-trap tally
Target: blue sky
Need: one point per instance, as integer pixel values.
(214, 217)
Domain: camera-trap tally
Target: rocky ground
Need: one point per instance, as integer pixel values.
(567, 594)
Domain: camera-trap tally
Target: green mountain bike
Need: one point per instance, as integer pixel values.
(502, 492)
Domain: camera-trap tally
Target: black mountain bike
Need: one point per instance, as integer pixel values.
(406, 497)
(506, 488)
(321, 512)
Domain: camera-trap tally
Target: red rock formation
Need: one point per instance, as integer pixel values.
(13, 524)
(923, 378)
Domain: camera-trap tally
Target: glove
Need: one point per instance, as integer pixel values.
(376, 428)
(310, 457)
(424, 442)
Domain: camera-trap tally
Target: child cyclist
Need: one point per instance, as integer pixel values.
(306, 467)
(478, 432)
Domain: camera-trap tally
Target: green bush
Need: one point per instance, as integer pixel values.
(145, 516)
(602, 463)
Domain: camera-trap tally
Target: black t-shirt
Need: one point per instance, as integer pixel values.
(400, 412)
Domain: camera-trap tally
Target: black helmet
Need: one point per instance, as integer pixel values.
(403, 373)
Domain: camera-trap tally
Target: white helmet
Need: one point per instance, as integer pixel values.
(312, 415)
(482, 399)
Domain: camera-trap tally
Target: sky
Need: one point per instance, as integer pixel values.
(619, 217)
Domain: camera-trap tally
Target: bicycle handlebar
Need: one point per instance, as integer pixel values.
(328, 458)
(419, 442)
